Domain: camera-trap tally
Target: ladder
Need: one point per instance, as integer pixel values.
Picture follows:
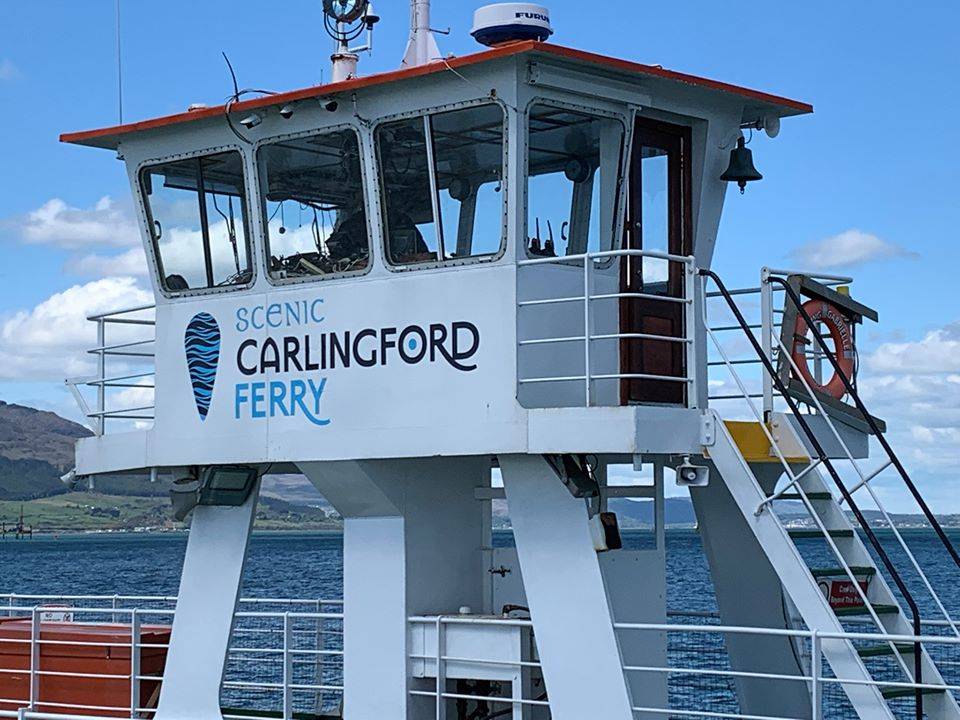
(812, 480)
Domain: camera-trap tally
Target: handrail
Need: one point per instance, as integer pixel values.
(586, 297)
(822, 455)
(869, 419)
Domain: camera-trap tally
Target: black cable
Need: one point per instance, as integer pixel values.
(233, 99)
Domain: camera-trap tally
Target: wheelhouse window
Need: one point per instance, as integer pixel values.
(573, 181)
(442, 178)
(197, 215)
(314, 206)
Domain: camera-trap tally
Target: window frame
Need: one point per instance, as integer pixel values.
(262, 212)
(155, 259)
(622, 182)
(426, 113)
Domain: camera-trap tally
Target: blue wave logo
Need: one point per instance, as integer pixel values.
(202, 344)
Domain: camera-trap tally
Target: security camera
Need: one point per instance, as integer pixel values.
(251, 121)
(286, 112)
(690, 475)
(330, 105)
(184, 496)
(70, 479)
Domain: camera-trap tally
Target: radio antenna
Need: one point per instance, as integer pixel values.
(119, 69)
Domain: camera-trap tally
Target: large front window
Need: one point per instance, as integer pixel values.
(315, 206)
(573, 170)
(442, 181)
(197, 214)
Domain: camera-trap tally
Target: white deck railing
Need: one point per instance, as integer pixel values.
(585, 334)
(285, 657)
(123, 364)
(699, 677)
(285, 661)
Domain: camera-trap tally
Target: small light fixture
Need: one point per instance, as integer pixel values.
(741, 169)
(286, 112)
(251, 121)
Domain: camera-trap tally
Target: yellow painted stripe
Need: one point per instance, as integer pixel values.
(753, 443)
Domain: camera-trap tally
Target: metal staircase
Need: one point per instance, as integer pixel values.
(894, 643)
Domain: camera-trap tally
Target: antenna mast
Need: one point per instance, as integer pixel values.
(422, 47)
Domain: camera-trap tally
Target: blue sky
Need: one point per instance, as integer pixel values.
(867, 185)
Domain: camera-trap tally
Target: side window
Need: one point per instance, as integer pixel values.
(442, 184)
(314, 206)
(573, 171)
(198, 221)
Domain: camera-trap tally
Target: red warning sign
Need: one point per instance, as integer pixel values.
(842, 593)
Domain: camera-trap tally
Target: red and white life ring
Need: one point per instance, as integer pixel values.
(840, 331)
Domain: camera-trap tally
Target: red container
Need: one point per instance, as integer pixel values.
(70, 695)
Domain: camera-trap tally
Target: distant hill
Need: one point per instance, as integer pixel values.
(30, 434)
(36, 448)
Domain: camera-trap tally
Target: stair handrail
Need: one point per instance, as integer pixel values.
(795, 482)
(865, 482)
(851, 503)
(869, 419)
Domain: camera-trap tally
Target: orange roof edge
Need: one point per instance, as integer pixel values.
(104, 135)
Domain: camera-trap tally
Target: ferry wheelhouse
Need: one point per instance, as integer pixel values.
(406, 285)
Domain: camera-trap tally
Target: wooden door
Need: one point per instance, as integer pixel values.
(658, 218)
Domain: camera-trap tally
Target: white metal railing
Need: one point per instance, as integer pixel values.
(281, 662)
(699, 675)
(587, 298)
(769, 324)
(122, 364)
(774, 347)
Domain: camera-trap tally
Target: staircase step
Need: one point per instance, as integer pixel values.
(816, 533)
(859, 610)
(880, 650)
(892, 693)
(810, 496)
(858, 570)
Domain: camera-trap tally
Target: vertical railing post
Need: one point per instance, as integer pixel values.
(114, 604)
(816, 686)
(135, 663)
(690, 282)
(321, 645)
(101, 374)
(587, 262)
(287, 667)
(441, 670)
(766, 337)
(34, 658)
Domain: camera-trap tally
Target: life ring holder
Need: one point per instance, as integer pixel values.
(841, 332)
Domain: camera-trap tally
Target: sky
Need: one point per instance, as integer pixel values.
(867, 186)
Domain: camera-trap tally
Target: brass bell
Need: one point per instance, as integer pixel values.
(741, 169)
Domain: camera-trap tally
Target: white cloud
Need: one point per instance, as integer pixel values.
(8, 71)
(49, 342)
(848, 249)
(937, 352)
(915, 387)
(56, 223)
(130, 262)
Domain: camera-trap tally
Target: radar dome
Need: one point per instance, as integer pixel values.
(508, 22)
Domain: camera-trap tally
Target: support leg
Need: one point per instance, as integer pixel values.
(209, 590)
(571, 613)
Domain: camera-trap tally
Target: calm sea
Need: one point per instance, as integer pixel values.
(310, 565)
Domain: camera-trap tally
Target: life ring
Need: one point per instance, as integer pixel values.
(840, 331)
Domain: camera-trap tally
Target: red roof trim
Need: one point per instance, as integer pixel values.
(429, 69)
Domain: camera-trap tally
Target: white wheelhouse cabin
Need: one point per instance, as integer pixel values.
(393, 284)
